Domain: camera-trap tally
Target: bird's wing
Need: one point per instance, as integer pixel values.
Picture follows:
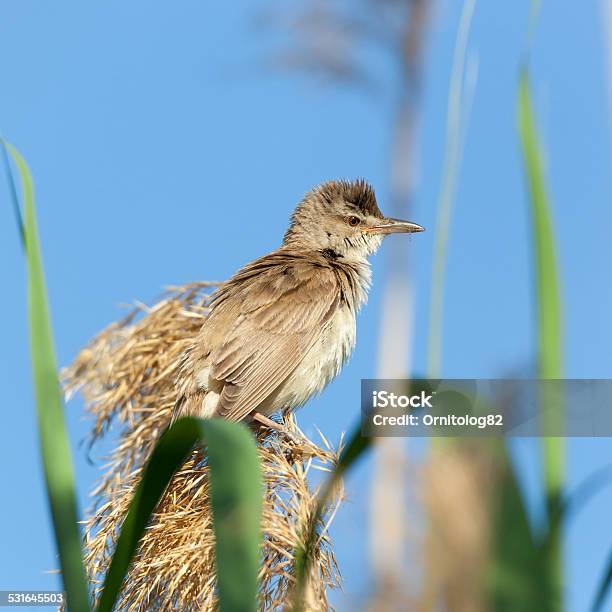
(283, 314)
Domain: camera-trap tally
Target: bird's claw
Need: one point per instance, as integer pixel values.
(279, 428)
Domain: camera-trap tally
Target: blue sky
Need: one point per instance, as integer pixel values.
(165, 151)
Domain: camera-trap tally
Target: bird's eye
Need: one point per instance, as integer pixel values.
(353, 221)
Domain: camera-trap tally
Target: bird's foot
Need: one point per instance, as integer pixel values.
(278, 427)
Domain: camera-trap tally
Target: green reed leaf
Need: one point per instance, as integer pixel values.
(55, 448)
(549, 326)
(236, 497)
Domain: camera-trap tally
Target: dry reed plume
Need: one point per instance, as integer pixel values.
(127, 377)
(459, 485)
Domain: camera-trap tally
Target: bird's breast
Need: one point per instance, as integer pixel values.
(335, 345)
(322, 362)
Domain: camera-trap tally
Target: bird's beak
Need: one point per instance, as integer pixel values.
(396, 226)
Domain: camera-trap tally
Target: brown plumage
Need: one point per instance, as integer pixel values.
(281, 328)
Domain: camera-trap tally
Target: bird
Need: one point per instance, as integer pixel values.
(281, 328)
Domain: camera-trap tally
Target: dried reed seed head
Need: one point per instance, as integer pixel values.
(127, 376)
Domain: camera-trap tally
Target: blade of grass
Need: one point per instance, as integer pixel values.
(451, 166)
(356, 446)
(236, 497)
(548, 323)
(55, 449)
(10, 179)
(547, 284)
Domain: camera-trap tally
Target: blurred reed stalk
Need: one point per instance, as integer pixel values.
(389, 540)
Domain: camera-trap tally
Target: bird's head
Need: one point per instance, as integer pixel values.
(342, 219)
